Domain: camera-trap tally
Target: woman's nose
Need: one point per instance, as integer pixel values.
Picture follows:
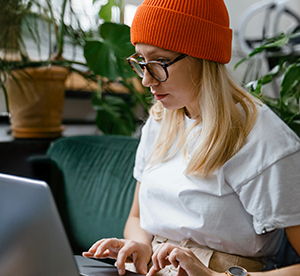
(148, 80)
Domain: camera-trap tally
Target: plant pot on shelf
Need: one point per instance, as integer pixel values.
(36, 100)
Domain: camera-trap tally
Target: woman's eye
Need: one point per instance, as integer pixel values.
(162, 60)
(140, 58)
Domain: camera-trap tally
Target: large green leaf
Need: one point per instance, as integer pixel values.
(286, 65)
(290, 83)
(105, 11)
(107, 56)
(114, 115)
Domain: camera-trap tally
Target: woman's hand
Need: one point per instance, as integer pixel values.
(123, 251)
(184, 258)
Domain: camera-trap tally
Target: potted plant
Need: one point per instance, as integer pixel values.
(106, 56)
(283, 56)
(105, 63)
(34, 84)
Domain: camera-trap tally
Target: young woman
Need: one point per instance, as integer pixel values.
(217, 172)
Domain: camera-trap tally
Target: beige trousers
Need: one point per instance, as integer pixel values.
(215, 260)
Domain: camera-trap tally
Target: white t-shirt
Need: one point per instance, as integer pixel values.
(241, 208)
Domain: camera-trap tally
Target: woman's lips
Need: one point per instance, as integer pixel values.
(159, 97)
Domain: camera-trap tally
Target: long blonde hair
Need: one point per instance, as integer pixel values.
(224, 126)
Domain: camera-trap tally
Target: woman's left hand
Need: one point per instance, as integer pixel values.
(184, 258)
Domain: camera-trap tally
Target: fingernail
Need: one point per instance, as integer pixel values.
(120, 271)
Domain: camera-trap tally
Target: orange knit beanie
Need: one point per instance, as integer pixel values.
(199, 28)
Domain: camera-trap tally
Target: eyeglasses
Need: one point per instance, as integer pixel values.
(156, 69)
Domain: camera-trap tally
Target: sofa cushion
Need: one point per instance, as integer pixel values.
(98, 185)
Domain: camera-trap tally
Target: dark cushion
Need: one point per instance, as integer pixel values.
(98, 185)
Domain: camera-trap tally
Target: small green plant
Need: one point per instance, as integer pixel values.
(106, 57)
(285, 70)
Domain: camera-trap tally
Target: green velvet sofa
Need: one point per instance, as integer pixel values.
(91, 178)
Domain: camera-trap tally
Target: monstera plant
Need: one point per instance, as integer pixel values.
(106, 57)
(283, 55)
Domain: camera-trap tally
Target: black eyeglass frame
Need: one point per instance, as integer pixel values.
(144, 65)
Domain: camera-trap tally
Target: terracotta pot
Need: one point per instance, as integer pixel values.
(36, 101)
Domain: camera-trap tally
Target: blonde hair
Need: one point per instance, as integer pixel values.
(224, 126)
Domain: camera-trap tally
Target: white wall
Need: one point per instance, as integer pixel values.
(237, 9)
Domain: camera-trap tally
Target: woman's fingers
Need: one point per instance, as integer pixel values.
(110, 247)
(87, 254)
(140, 261)
(167, 254)
(90, 253)
(163, 256)
(105, 248)
(160, 256)
(152, 271)
(188, 263)
(142, 267)
(142, 257)
(131, 252)
(155, 263)
(95, 246)
(177, 255)
(123, 251)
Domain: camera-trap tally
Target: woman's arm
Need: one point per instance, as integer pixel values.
(132, 230)
(293, 234)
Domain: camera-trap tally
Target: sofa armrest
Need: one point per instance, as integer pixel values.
(41, 167)
(44, 168)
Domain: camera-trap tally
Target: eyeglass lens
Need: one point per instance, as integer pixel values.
(155, 69)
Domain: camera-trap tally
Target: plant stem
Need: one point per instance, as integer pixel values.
(60, 41)
(5, 97)
(139, 96)
(55, 29)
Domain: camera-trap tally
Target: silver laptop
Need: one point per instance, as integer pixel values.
(32, 238)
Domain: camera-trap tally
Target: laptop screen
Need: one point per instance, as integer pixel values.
(32, 238)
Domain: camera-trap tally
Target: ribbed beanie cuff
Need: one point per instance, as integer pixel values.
(199, 28)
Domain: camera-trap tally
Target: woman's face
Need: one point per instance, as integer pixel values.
(178, 90)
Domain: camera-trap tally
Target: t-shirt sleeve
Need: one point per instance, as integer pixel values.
(143, 150)
(272, 197)
(139, 161)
